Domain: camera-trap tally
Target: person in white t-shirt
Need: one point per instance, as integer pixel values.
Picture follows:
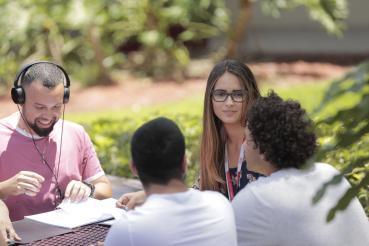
(277, 209)
(172, 214)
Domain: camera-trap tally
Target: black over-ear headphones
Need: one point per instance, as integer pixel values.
(18, 94)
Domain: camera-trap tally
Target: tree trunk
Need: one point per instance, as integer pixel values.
(55, 42)
(55, 47)
(239, 28)
(103, 77)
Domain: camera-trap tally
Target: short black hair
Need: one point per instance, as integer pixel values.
(48, 74)
(282, 131)
(158, 149)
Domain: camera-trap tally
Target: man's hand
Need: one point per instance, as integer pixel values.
(6, 227)
(24, 182)
(7, 230)
(131, 200)
(77, 191)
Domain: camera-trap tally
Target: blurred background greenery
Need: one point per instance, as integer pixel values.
(91, 38)
(158, 38)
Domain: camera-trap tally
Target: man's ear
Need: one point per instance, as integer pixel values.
(133, 168)
(262, 156)
(184, 164)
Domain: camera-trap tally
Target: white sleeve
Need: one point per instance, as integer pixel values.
(119, 234)
(251, 222)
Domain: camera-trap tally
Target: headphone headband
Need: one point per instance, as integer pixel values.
(17, 92)
(24, 70)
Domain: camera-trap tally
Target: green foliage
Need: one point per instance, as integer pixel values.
(167, 27)
(111, 137)
(344, 135)
(111, 131)
(90, 38)
(330, 13)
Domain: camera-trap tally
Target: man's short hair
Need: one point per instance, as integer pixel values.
(158, 149)
(48, 74)
(282, 131)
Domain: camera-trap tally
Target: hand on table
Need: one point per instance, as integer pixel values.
(131, 200)
(6, 227)
(7, 231)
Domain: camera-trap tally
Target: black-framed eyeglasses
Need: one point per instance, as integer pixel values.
(222, 95)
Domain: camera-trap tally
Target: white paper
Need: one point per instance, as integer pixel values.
(72, 214)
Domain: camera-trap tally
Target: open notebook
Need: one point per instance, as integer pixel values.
(71, 215)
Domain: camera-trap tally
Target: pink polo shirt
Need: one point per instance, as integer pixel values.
(78, 161)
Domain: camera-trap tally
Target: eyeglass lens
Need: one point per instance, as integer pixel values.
(222, 95)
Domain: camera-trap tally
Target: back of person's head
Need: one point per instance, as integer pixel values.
(282, 131)
(158, 149)
(46, 73)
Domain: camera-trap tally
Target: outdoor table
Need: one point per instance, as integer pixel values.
(84, 235)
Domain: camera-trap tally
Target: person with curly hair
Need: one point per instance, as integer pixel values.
(277, 209)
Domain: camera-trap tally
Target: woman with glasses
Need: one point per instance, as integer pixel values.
(230, 91)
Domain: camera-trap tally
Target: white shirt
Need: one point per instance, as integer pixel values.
(278, 210)
(186, 218)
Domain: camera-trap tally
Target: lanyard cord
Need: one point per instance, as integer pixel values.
(60, 193)
(231, 192)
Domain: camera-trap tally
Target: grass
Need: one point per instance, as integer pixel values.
(193, 103)
(309, 95)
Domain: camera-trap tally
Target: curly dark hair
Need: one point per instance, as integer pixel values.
(282, 131)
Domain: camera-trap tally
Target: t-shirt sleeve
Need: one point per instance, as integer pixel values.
(90, 163)
(119, 234)
(251, 224)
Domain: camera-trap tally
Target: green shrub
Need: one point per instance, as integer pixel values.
(111, 137)
(343, 128)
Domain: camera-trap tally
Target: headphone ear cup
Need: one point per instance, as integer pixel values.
(66, 95)
(18, 95)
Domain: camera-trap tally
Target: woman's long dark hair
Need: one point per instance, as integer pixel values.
(213, 135)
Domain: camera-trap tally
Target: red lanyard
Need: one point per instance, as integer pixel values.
(230, 190)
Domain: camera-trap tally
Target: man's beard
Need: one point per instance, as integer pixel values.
(42, 132)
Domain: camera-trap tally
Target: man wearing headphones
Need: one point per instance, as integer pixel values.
(44, 159)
